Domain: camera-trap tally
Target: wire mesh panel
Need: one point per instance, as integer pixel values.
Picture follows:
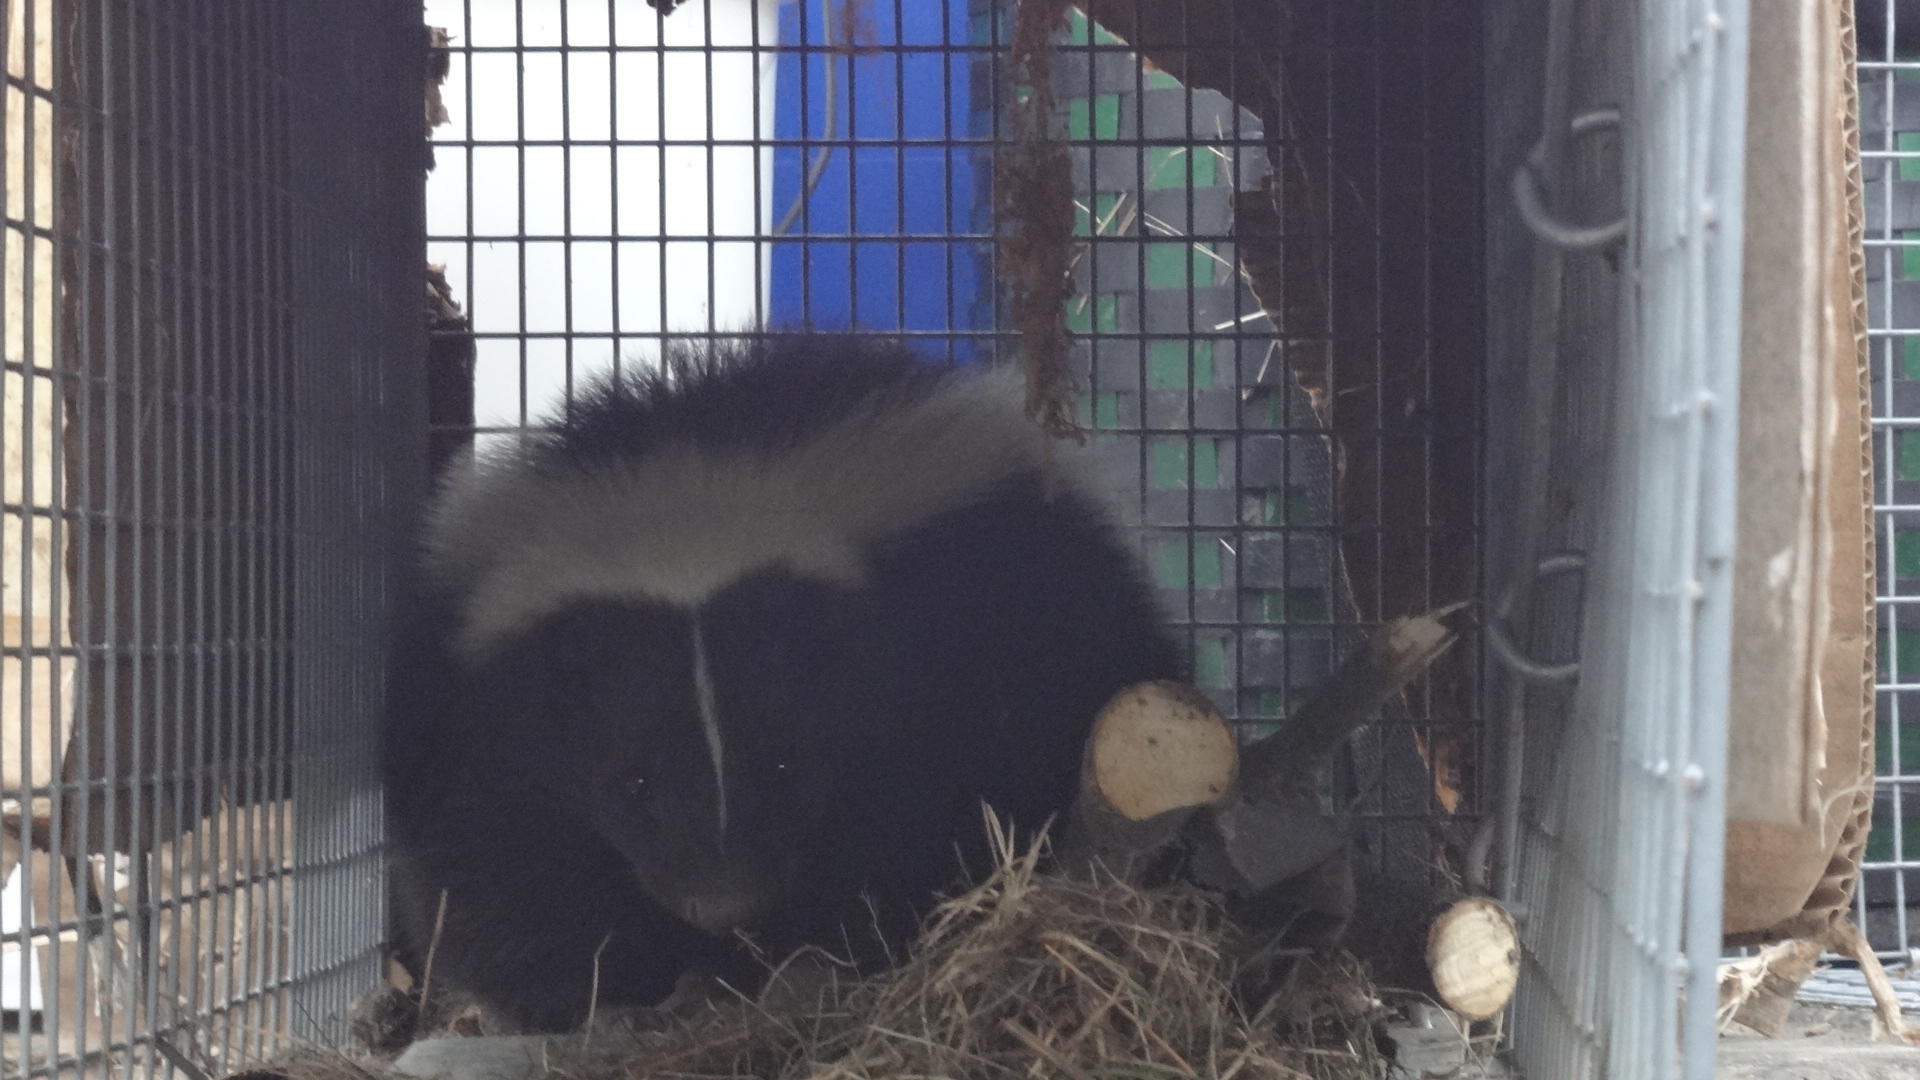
(1889, 75)
(1615, 445)
(614, 172)
(211, 284)
(355, 152)
(1215, 417)
(1177, 355)
(608, 174)
(1558, 785)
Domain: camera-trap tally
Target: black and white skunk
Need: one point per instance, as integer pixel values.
(742, 648)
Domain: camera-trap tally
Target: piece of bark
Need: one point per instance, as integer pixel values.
(1280, 927)
(1283, 861)
(1349, 698)
(451, 355)
(1473, 954)
(1271, 825)
(1246, 846)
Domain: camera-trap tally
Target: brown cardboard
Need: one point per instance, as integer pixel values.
(1800, 749)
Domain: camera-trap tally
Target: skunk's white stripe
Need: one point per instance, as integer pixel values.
(709, 717)
(522, 539)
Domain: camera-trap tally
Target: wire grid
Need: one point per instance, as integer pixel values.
(597, 190)
(609, 176)
(1562, 816)
(210, 272)
(1202, 434)
(1622, 821)
(1889, 76)
(1206, 434)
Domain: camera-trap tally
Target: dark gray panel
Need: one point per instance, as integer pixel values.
(1276, 560)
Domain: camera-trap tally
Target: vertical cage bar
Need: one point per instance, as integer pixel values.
(1888, 63)
(155, 904)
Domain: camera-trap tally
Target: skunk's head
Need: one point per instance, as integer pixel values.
(672, 598)
(707, 745)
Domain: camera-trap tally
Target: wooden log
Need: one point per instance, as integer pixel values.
(1280, 855)
(1158, 752)
(1271, 826)
(1350, 697)
(1473, 953)
(1162, 764)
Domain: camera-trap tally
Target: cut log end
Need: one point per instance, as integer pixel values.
(1157, 753)
(1159, 747)
(1473, 952)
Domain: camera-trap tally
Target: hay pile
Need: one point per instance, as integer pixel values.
(1028, 975)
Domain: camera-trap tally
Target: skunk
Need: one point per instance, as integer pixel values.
(739, 650)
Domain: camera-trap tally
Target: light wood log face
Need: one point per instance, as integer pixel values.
(1473, 951)
(1158, 747)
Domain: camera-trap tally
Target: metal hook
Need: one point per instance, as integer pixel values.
(1533, 210)
(1480, 854)
(1503, 647)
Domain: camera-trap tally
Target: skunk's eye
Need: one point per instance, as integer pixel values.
(637, 789)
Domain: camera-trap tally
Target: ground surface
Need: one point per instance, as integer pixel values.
(1821, 1043)
(1440, 1053)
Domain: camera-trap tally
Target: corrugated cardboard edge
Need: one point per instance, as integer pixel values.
(1792, 867)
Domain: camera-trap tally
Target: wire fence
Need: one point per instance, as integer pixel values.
(1889, 76)
(214, 332)
(1613, 298)
(610, 174)
(212, 319)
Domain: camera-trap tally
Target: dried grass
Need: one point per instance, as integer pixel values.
(1030, 975)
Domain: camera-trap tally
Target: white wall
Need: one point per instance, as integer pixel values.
(13, 904)
(639, 115)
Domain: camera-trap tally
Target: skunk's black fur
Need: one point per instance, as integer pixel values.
(744, 646)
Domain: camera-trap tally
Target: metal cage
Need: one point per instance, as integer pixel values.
(611, 173)
(1617, 318)
(1889, 135)
(212, 336)
(1308, 318)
